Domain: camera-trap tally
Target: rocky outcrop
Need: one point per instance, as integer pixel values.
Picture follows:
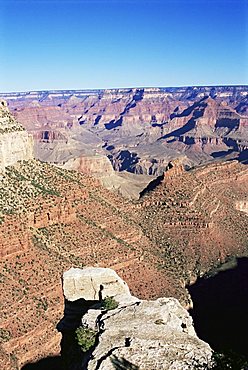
(96, 165)
(92, 284)
(15, 143)
(137, 334)
(242, 205)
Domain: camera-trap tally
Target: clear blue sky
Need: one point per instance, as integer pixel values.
(122, 43)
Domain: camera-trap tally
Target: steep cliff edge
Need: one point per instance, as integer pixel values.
(137, 334)
(15, 143)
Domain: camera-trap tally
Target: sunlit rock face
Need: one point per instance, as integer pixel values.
(95, 165)
(15, 143)
(89, 282)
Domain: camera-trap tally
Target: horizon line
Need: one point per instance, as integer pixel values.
(123, 88)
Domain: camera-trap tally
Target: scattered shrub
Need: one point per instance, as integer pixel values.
(85, 337)
(5, 335)
(109, 303)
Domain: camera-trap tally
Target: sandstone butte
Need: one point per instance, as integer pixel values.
(53, 219)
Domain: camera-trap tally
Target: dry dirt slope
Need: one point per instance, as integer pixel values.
(198, 218)
(53, 219)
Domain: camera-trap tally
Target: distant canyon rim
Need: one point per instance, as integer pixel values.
(183, 149)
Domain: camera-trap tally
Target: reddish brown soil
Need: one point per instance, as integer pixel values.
(158, 244)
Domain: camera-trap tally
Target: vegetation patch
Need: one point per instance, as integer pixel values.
(4, 335)
(109, 303)
(85, 337)
(42, 304)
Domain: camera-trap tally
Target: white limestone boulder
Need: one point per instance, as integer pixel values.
(91, 283)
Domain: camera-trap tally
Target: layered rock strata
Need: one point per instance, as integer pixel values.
(198, 212)
(139, 129)
(53, 219)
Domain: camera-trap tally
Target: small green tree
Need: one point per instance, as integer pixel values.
(85, 337)
(109, 303)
